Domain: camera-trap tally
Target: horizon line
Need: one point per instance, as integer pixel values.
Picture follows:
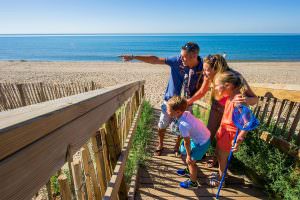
(136, 34)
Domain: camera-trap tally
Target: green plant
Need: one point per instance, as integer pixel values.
(138, 153)
(276, 168)
(54, 185)
(203, 116)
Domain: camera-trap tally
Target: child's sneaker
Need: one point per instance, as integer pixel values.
(183, 172)
(188, 184)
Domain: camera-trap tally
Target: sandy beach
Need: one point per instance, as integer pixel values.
(156, 76)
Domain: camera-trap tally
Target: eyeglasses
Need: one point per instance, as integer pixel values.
(191, 47)
(211, 58)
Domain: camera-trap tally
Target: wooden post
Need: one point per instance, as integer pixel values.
(123, 124)
(137, 98)
(89, 169)
(283, 103)
(281, 144)
(259, 105)
(272, 111)
(64, 187)
(43, 92)
(98, 151)
(108, 172)
(290, 110)
(15, 96)
(3, 100)
(295, 122)
(77, 178)
(120, 127)
(143, 91)
(34, 93)
(266, 108)
(114, 148)
(70, 160)
(22, 95)
(112, 140)
(85, 163)
(49, 97)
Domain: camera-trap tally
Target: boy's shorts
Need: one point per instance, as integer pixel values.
(197, 151)
(164, 119)
(224, 139)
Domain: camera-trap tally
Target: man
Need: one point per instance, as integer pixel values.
(188, 63)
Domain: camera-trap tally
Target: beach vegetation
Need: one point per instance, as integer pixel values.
(266, 165)
(138, 152)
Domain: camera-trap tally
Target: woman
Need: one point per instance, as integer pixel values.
(213, 65)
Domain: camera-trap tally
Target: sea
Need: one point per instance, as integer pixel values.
(107, 47)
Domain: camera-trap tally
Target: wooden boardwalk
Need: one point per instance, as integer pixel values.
(158, 180)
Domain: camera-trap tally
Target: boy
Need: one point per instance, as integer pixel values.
(196, 138)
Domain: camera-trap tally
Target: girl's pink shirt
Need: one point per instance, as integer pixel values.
(223, 101)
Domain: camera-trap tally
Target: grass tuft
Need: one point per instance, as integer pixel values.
(138, 152)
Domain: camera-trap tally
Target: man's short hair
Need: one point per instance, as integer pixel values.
(177, 103)
(191, 47)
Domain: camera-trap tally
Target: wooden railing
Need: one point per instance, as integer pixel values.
(37, 140)
(15, 95)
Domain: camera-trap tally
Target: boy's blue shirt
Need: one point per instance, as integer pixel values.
(178, 70)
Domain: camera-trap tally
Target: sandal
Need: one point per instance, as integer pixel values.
(158, 152)
(214, 182)
(211, 163)
(214, 175)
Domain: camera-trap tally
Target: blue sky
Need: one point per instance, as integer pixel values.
(149, 16)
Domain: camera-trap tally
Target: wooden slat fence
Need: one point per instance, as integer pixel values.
(15, 95)
(88, 135)
(280, 116)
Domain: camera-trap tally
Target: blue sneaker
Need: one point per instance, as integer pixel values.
(183, 172)
(188, 184)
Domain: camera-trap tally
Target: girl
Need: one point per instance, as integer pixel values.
(213, 65)
(228, 85)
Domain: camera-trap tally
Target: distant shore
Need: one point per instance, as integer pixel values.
(156, 76)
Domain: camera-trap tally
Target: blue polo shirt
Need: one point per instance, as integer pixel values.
(178, 70)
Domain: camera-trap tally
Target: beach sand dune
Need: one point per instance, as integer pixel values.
(156, 76)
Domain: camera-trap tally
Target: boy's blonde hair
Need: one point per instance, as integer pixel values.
(233, 78)
(177, 103)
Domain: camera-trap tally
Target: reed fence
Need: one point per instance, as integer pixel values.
(15, 95)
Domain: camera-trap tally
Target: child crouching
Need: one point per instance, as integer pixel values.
(196, 138)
